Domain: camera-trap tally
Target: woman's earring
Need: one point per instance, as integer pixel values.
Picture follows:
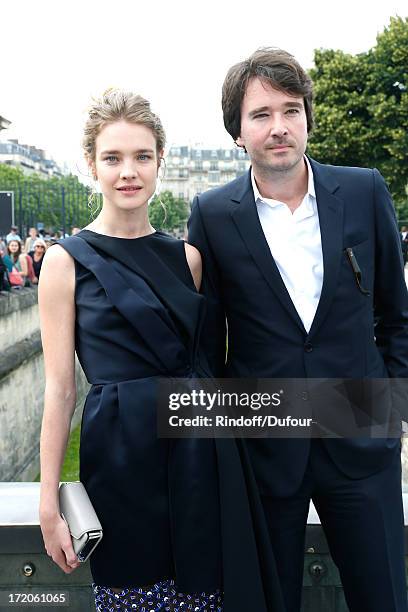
(160, 176)
(93, 202)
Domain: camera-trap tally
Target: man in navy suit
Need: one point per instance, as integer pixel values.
(303, 265)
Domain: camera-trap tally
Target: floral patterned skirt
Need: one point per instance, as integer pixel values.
(160, 597)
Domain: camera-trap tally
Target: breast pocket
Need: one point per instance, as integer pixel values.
(358, 266)
(354, 239)
(351, 255)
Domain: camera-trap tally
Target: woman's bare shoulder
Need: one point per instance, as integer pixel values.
(58, 269)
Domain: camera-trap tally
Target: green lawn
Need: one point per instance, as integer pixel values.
(70, 468)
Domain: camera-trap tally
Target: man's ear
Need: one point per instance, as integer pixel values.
(239, 141)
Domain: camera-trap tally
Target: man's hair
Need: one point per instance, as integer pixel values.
(274, 66)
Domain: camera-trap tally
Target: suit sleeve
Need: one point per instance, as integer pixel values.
(213, 336)
(390, 290)
(391, 296)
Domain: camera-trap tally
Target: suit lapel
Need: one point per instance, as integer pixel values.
(245, 216)
(330, 209)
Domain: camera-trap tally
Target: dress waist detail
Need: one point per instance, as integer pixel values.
(188, 372)
(167, 487)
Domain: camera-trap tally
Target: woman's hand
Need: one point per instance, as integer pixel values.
(58, 544)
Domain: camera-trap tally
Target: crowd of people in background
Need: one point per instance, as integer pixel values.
(21, 260)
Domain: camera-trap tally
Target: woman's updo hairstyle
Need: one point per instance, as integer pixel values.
(116, 105)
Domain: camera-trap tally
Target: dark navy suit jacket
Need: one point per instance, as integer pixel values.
(266, 337)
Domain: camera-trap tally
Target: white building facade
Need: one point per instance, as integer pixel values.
(28, 158)
(192, 170)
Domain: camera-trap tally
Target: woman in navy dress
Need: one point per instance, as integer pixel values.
(182, 525)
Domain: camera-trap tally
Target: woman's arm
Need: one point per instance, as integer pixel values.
(23, 264)
(8, 263)
(194, 263)
(57, 315)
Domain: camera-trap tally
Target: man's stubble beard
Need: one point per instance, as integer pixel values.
(269, 170)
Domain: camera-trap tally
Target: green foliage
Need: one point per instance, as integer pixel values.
(70, 467)
(168, 212)
(40, 199)
(361, 109)
(10, 175)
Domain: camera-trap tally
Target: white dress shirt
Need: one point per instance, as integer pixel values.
(296, 246)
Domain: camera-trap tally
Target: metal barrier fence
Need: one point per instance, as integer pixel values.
(54, 207)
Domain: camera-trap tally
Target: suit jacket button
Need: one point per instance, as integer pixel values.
(308, 347)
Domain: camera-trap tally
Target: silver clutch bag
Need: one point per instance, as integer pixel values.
(83, 524)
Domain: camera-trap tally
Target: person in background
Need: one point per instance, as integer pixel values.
(37, 256)
(13, 235)
(30, 240)
(404, 243)
(75, 230)
(3, 248)
(4, 282)
(16, 263)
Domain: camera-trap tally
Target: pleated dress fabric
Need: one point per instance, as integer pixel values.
(179, 512)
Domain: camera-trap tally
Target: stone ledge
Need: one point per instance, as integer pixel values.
(17, 299)
(13, 356)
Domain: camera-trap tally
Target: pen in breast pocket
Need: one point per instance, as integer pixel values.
(356, 269)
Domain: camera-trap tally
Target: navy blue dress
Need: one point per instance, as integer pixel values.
(182, 510)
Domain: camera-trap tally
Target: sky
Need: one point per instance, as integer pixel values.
(57, 55)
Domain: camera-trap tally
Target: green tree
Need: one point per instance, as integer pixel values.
(53, 201)
(361, 108)
(168, 212)
(11, 175)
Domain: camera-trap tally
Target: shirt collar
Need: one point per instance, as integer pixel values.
(310, 186)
